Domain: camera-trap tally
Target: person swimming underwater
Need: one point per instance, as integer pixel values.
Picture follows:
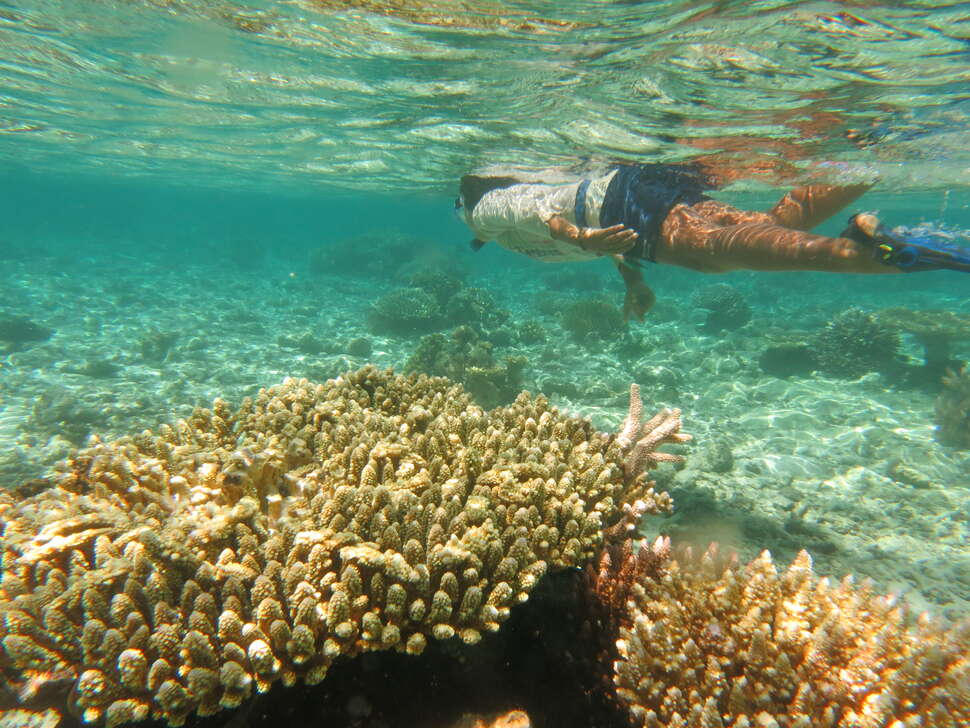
(658, 213)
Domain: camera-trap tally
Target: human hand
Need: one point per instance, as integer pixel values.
(638, 300)
(607, 241)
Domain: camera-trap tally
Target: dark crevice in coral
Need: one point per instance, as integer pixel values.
(538, 662)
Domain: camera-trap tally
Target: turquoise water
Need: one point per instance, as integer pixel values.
(198, 200)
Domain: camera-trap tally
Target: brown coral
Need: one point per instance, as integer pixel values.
(174, 572)
(710, 644)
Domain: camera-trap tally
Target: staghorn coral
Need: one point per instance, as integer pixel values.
(175, 572)
(710, 644)
(640, 441)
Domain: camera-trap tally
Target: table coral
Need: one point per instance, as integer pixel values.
(174, 572)
(707, 643)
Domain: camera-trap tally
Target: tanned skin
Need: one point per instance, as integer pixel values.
(714, 237)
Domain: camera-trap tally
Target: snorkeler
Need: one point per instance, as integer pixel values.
(659, 213)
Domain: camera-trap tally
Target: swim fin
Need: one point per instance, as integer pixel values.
(909, 251)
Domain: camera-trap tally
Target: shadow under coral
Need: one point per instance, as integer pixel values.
(536, 663)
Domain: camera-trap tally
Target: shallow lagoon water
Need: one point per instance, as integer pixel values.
(180, 183)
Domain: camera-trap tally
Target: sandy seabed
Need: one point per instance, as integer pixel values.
(848, 469)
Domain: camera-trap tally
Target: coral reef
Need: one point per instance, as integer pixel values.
(706, 643)
(405, 312)
(156, 347)
(531, 332)
(726, 308)
(953, 410)
(475, 306)
(467, 359)
(173, 572)
(937, 331)
(592, 320)
(855, 343)
(440, 284)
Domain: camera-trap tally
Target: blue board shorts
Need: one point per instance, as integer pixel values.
(640, 197)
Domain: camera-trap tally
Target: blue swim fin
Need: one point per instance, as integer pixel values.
(910, 249)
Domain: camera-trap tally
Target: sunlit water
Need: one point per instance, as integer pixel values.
(375, 95)
(198, 199)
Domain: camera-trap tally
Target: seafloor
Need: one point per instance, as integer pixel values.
(845, 466)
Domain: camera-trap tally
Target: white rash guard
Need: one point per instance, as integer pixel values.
(517, 217)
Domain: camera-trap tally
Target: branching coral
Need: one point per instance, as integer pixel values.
(855, 343)
(173, 572)
(708, 643)
(640, 441)
(466, 358)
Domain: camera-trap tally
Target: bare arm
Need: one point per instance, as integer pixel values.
(603, 241)
(639, 298)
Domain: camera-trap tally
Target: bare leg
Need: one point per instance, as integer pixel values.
(805, 207)
(713, 237)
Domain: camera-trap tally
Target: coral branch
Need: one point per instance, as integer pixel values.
(640, 443)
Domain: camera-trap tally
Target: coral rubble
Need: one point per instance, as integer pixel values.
(707, 643)
(176, 571)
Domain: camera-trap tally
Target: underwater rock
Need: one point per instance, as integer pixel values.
(788, 360)
(305, 343)
(953, 410)
(726, 308)
(19, 330)
(360, 346)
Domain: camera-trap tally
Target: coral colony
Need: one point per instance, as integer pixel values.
(179, 572)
